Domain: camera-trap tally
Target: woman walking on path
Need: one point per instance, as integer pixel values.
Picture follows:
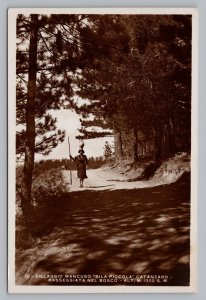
(82, 162)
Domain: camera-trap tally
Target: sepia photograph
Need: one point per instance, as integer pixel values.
(102, 150)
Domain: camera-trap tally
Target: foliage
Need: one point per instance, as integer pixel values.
(47, 186)
(57, 59)
(134, 70)
(140, 84)
(47, 182)
(108, 152)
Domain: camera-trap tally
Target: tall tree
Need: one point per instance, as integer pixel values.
(30, 118)
(99, 81)
(47, 57)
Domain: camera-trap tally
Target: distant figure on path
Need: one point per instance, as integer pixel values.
(82, 162)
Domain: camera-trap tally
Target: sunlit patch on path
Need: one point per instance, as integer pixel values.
(100, 179)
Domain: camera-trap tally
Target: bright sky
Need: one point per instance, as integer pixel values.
(69, 121)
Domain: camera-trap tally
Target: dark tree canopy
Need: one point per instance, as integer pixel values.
(137, 78)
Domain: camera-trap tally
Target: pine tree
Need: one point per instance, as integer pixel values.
(99, 81)
(108, 151)
(47, 57)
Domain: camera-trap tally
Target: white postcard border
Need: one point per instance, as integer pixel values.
(12, 287)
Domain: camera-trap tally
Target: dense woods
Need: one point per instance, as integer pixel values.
(138, 81)
(134, 71)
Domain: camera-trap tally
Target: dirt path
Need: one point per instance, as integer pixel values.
(105, 179)
(112, 228)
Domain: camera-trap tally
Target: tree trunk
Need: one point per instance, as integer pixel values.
(171, 138)
(157, 143)
(26, 183)
(168, 140)
(144, 150)
(164, 143)
(135, 144)
(118, 146)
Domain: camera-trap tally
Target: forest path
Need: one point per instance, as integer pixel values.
(104, 179)
(106, 228)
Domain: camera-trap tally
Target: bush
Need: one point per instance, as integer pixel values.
(47, 187)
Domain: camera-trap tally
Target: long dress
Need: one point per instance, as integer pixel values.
(81, 161)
